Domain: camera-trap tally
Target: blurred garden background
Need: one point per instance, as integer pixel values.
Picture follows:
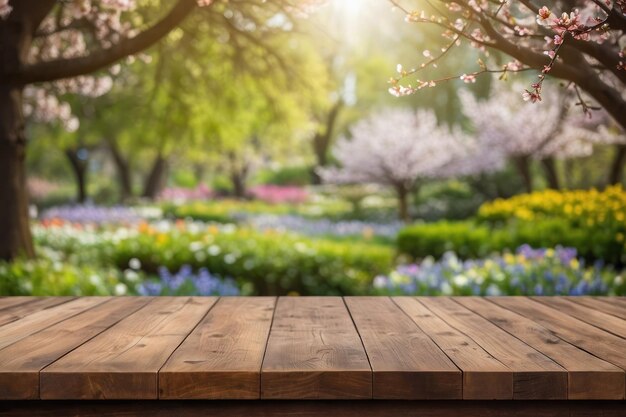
(255, 149)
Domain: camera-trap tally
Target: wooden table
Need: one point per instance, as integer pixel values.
(409, 356)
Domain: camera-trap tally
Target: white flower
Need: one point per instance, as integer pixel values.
(134, 263)
(120, 289)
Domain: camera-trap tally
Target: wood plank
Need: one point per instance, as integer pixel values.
(222, 357)
(314, 352)
(20, 310)
(406, 363)
(589, 378)
(535, 376)
(484, 377)
(602, 344)
(604, 304)
(10, 301)
(21, 362)
(596, 318)
(123, 361)
(283, 408)
(41, 319)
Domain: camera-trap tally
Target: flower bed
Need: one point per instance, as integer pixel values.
(527, 272)
(593, 222)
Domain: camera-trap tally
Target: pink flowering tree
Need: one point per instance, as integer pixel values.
(521, 132)
(578, 41)
(50, 48)
(395, 148)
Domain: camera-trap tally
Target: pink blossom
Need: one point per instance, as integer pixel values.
(468, 78)
(279, 194)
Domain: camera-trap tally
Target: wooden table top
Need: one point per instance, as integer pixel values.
(417, 348)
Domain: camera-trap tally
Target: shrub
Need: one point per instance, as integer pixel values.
(269, 263)
(261, 262)
(48, 276)
(594, 222)
(294, 175)
(223, 211)
(580, 207)
(434, 239)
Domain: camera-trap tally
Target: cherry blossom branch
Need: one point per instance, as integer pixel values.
(71, 67)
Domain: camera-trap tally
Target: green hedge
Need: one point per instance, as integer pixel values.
(267, 263)
(434, 239)
(472, 240)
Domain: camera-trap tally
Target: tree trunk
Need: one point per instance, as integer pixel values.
(123, 171)
(239, 184)
(321, 141)
(552, 176)
(403, 203)
(617, 167)
(199, 172)
(156, 178)
(522, 164)
(79, 168)
(15, 236)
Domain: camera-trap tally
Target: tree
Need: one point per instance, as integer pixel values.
(581, 44)
(396, 148)
(521, 131)
(45, 41)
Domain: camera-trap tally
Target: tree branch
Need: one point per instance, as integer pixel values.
(72, 67)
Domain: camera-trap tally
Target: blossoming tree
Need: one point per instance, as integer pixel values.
(395, 148)
(57, 44)
(521, 132)
(578, 41)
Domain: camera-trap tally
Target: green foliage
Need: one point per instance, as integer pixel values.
(592, 222)
(49, 277)
(184, 178)
(291, 175)
(270, 263)
(434, 239)
(261, 262)
(452, 200)
(230, 211)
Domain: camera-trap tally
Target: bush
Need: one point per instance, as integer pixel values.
(265, 263)
(434, 239)
(295, 175)
(51, 277)
(592, 222)
(268, 263)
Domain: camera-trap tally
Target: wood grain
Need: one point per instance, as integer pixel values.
(588, 376)
(222, 357)
(38, 320)
(484, 377)
(314, 352)
(535, 376)
(405, 362)
(21, 362)
(17, 311)
(589, 315)
(123, 361)
(604, 304)
(6, 302)
(599, 343)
